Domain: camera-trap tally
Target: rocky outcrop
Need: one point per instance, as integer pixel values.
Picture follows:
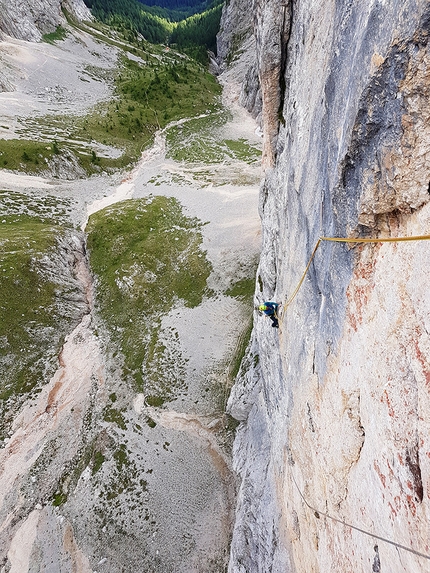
(333, 406)
(395, 176)
(29, 20)
(250, 96)
(65, 166)
(272, 27)
(236, 41)
(5, 84)
(235, 27)
(263, 86)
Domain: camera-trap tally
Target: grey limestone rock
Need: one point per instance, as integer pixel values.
(30, 19)
(263, 89)
(272, 29)
(247, 386)
(250, 96)
(5, 83)
(235, 27)
(333, 414)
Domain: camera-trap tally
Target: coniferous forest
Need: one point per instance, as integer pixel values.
(188, 25)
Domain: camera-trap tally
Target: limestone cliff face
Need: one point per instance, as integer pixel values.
(236, 27)
(262, 89)
(30, 19)
(334, 406)
(272, 27)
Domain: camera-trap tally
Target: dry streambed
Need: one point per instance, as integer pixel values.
(120, 459)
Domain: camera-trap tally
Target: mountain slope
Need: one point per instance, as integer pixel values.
(30, 20)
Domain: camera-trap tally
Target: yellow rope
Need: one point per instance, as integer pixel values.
(296, 290)
(345, 240)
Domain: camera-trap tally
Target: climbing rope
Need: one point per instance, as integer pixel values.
(286, 304)
(318, 514)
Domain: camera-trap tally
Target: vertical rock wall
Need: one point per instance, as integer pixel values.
(235, 28)
(335, 406)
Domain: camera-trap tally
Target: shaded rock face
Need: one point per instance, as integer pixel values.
(333, 405)
(396, 174)
(235, 43)
(29, 20)
(250, 96)
(5, 84)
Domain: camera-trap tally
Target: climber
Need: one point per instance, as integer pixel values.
(271, 310)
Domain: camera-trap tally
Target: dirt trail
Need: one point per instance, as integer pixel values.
(126, 189)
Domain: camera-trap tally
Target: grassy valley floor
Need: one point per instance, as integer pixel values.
(120, 459)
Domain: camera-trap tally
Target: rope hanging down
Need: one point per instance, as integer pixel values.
(346, 240)
(318, 513)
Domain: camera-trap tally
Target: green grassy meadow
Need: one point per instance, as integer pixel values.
(147, 257)
(194, 142)
(154, 88)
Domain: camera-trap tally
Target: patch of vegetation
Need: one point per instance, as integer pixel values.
(25, 155)
(240, 349)
(151, 423)
(121, 457)
(98, 460)
(194, 142)
(27, 299)
(174, 6)
(32, 322)
(155, 401)
(61, 481)
(115, 417)
(198, 32)
(123, 477)
(147, 257)
(241, 150)
(107, 34)
(243, 289)
(28, 303)
(57, 36)
(188, 26)
(171, 91)
(148, 95)
(48, 209)
(58, 499)
(129, 17)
